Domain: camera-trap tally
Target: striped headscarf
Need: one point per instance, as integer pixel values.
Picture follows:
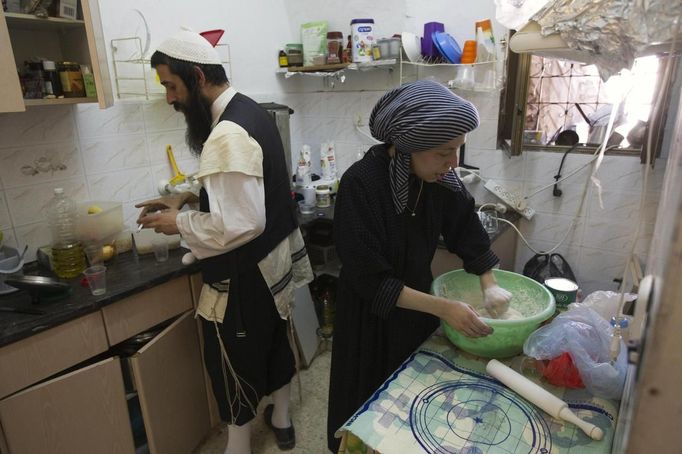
(416, 117)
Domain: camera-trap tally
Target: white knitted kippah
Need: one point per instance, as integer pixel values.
(188, 45)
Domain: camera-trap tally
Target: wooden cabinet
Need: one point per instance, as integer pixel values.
(24, 36)
(80, 412)
(86, 408)
(169, 378)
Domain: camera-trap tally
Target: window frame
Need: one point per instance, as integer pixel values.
(513, 105)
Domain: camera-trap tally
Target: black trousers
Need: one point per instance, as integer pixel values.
(257, 345)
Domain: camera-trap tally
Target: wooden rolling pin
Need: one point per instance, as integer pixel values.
(547, 401)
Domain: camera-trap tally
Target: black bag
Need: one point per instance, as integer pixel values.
(544, 266)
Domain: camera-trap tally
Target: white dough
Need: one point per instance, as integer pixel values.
(509, 314)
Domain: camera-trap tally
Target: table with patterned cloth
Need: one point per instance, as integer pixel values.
(442, 401)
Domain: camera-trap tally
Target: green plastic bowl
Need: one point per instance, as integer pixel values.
(529, 297)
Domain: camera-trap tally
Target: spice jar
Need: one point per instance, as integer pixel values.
(295, 54)
(334, 47)
(72, 79)
(53, 85)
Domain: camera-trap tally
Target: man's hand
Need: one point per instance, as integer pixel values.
(161, 222)
(174, 201)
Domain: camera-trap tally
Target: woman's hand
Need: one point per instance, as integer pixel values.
(174, 202)
(496, 300)
(463, 318)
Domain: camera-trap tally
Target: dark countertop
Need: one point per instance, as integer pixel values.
(124, 277)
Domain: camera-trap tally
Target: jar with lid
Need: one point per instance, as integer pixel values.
(334, 47)
(53, 84)
(294, 53)
(72, 79)
(323, 193)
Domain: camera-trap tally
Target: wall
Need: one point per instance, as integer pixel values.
(119, 153)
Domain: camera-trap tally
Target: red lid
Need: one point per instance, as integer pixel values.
(213, 36)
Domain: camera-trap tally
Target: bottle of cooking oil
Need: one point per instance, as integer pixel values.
(68, 259)
(327, 328)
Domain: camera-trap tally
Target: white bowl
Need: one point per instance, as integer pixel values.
(412, 46)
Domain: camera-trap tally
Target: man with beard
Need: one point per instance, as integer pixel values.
(245, 235)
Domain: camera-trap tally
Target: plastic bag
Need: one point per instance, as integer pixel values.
(585, 335)
(543, 266)
(605, 303)
(561, 371)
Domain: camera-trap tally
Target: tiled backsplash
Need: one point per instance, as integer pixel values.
(119, 154)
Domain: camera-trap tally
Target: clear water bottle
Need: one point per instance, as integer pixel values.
(68, 259)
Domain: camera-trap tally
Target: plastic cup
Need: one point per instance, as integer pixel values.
(93, 252)
(564, 290)
(160, 248)
(489, 220)
(97, 281)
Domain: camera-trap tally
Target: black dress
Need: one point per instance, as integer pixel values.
(381, 252)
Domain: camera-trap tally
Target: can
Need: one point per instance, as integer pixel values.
(564, 290)
(362, 31)
(71, 79)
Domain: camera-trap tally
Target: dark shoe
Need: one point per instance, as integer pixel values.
(286, 438)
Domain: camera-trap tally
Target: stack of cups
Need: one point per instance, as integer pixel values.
(469, 52)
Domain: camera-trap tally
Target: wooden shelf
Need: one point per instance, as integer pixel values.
(31, 22)
(318, 68)
(57, 102)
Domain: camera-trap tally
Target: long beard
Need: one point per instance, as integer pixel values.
(198, 117)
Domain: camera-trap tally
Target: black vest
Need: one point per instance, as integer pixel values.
(280, 211)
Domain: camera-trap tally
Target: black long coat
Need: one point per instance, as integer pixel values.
(381, 252)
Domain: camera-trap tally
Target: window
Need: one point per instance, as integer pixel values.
(551, 103)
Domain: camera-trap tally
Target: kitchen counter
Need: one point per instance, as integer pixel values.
(125, 277)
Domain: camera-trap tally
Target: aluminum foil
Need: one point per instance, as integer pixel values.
(613, 32)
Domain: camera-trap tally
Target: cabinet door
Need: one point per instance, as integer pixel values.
(11, 99)
(169, 378)
(98, 53)
(81, 412)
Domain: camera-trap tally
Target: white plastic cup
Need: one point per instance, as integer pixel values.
(488, 82)
(94, 254)
(160, 248)
(464, 79)
(97, 281)
(309, 195)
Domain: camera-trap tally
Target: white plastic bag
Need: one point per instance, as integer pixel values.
(585, 335)
(515, 13)
(605, 303)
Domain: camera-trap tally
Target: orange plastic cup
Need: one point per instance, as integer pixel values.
(469, 52)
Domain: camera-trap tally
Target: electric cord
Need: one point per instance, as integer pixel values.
(556, 192)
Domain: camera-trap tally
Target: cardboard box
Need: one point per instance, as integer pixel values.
(68, 9)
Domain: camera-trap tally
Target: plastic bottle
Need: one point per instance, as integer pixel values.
(68, 259)
(283, 59)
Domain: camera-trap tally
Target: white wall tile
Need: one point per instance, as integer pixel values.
(52, 162)
(622, 206)
(159, 141)
(122, 186)
(8, 238)
(45, 124)
(29, 204)
(121, 118)
(5, 220)
(34, 235)
(495, 164)
(159, 116)
(485, 136)
(552, 228)
(625, 173)
(108, 154)
(598, 266)
(542, 166)
(566, 204)
(616, 236)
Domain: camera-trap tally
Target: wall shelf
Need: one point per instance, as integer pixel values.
(58, 102)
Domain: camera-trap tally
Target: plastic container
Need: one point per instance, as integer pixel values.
(68, 259)
(294, 54)
(99, 221)
(88, 81)
(530, 298)
(362, 39)
(10, 263)
(323, 194)
(53, 85)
